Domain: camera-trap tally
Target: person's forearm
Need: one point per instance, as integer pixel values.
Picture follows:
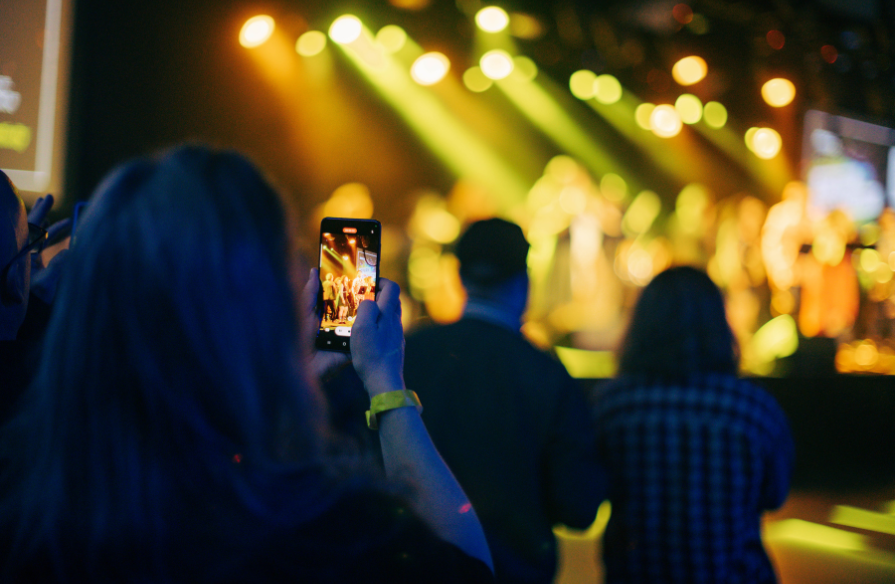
(410, 455)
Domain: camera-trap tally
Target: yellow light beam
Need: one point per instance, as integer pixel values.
(534, 100)
(455, 145)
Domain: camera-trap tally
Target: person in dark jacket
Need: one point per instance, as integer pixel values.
(508, 419)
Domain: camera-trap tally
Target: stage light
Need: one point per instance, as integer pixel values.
(749, 137)
(310, 43)
(524, 68)
(475, 80)
(256, 31)
(665, 121)
(642, 115)
(492, 19)
(430, 68)
(644, 210)
(582, 84)
(778, 92)
(766, 143)
(496, 64)
(714, 114)
(689, 108)
(392, 38)
(614, 187)
(345, 29)
(607, 89)
(689, 70)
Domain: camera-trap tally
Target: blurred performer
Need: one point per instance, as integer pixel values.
(508, 419)
(694, 454)
(344, 299)
(329, 298)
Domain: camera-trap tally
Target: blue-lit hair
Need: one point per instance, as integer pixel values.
(679, 328)
(172, 382)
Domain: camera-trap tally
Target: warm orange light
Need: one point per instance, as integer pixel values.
(256, 31)
(689, 70)
(665, 122)
(766, 143)
(778, 92)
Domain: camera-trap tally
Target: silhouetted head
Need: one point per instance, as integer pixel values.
(490, 252)
(13, 237)
(678, 328)
(172, 376)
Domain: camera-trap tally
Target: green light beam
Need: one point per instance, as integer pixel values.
(457, 147)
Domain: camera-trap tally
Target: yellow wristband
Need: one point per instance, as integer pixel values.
(403, 398)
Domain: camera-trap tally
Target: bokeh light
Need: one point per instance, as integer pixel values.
(256, 31)
(829, 53)
(613, 187)
(492, 19)
(775, 39)
(682, 13)
(581, 83)
(766, 143)
(665, 122)
(310, 43)
(689, 108)
(715, 114)
(475, 80)
(392, 38)
(778, 92)
(689, 70)
(496, 64)
(641, 214)
(524, 68)
(345, 29)
(430, 68)
(642, 115)
(607, 89)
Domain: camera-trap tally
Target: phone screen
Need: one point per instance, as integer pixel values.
(349, 274)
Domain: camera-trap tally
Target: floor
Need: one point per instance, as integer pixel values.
(816, 537)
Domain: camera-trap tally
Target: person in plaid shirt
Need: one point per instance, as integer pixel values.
(695, 455)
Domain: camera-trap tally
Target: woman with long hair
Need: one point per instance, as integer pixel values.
(175, 431)
(695, 455)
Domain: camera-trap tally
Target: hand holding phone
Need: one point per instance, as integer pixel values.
(349, 274)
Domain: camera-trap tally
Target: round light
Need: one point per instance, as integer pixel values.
(391, 38)
(492, 19)
(778, 92)
(689, 108)
(496, 64)
(750, 136)
(525, 68)
(766, 143)
(665, 121)
(689, 70)
(475, 80)
(311, 43)
(256, 31)
(607, 89)
(642, 115)
(430, 68)
(582, 84)
(345, 29)
(715, 114)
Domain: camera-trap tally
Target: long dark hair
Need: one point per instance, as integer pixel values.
(171, 383)
(678, 328)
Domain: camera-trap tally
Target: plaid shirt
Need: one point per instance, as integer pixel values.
(692, 466)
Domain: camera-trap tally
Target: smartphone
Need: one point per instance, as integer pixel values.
(349, 274)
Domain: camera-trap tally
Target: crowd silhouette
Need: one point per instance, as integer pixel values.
(165, 418)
